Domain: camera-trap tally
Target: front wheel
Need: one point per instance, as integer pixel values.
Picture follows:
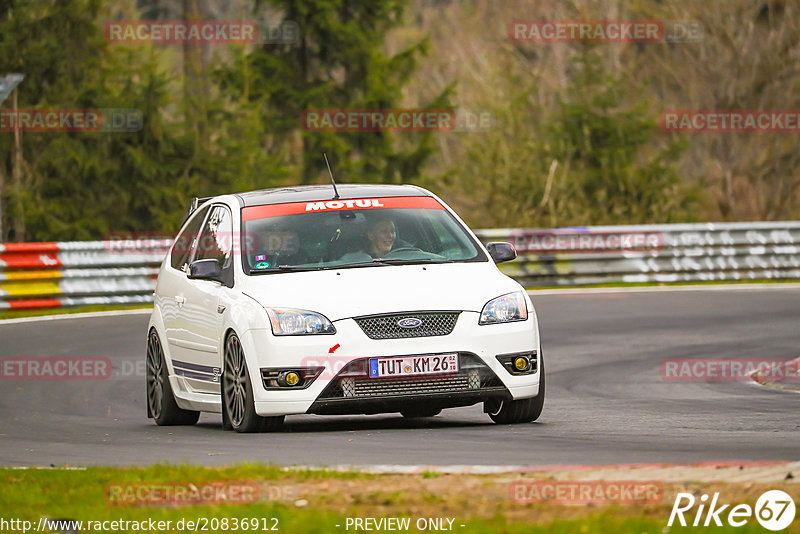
(238, 406)
(161, 405)
(506, 412)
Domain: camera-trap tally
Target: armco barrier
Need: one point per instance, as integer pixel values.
(43, 275)
(652, 253)
(49, 275)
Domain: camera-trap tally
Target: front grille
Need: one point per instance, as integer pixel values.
(387, 327)
(353, 387)
(353, 382)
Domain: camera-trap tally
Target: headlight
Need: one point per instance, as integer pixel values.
(505, 309)
(288, 322)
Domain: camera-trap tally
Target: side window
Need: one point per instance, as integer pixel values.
(186, 241)
(216, 238)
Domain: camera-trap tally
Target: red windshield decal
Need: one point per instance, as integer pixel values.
(277, 210)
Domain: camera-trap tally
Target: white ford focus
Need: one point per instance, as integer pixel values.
(307, 300)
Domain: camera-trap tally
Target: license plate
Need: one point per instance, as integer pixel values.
(433, 364)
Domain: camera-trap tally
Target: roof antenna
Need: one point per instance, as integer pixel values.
(333, 182)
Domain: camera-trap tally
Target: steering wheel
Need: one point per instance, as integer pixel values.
(404, 249)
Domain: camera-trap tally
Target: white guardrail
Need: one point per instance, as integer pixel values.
(123, 271)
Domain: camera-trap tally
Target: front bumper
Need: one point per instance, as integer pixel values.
(353, 391)
(481, 377)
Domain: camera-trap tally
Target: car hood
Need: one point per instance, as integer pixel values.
(344, 293)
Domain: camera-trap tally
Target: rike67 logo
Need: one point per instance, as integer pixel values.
(774, 511)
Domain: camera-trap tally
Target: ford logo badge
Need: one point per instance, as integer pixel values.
(409, 322)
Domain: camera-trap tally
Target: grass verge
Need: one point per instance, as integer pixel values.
(315, 501)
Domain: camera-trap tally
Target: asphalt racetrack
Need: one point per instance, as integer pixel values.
(606, 400)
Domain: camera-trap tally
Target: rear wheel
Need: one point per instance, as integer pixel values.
(420, 412)
(238, 406)
(519, 411)
(161, 405)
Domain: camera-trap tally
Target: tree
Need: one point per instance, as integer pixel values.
(338, 62)
(84, 185)
(587, 159)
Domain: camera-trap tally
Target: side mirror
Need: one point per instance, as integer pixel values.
(206, 270)
(501, 252)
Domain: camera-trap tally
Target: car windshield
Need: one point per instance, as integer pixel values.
(352, 233)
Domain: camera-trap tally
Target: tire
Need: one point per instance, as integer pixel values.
(226, 422)
(238, 407)
(161, 405)
(421, 412)
(520, 411)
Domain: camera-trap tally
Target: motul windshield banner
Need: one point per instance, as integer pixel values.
(293, 208)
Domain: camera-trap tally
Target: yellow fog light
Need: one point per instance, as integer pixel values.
(521, 363)
(292, 378)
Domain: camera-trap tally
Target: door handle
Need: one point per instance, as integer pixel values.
(180, 299)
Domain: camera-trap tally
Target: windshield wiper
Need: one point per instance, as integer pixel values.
(300, 269)
(398, 261)
(394, 261)
(377, 262)
(284, 269)
(371, 263)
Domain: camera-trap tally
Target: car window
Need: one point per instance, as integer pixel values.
(186, 241)
(339, 234)
(216, 238)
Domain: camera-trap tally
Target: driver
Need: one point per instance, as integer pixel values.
(381, 237)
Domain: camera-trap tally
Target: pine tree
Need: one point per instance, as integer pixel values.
(337, 62)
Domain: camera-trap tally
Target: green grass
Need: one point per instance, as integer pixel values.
(82, 495)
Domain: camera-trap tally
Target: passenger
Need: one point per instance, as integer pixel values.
(279, 245)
